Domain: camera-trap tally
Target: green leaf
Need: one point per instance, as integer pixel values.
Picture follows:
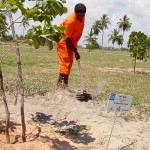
(30, 42)
(23, 11)
(12, 1)
(42, 41)
(45, 11)
(14, 8)
(49, 44)
(30, 34)
(2, 6)
(34, 10)
(64, 1)
(59, 28)
(41, 18)
(22, 1)
(65, 10)
(36, 42)
(35, 18)
(56, 37)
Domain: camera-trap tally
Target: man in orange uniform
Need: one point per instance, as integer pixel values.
(67, 48)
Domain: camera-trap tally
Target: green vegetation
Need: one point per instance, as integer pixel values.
(109, 71)
(124, 24)
(139, 46)
(44, 12)
(3, 25)
(100, 25)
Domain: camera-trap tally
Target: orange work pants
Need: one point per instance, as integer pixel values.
(65, 59)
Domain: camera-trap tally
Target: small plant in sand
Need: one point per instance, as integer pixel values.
(44, 11)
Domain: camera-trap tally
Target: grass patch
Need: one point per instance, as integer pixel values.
(40, 71)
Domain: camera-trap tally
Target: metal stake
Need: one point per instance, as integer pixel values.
(111, 131)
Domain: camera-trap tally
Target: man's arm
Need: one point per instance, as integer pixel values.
(70, 44)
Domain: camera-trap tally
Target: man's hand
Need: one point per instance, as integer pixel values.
(70, 44)
(77, 55)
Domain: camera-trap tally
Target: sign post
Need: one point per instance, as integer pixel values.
(118, 103)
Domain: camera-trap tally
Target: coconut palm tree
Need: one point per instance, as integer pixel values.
(96, 28)
(24, 23)
(89, 38)
(104, 22)
(91, 41)
(120, 40)
(124, 24)
(114, 36)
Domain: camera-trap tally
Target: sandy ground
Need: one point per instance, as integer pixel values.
(57, 121)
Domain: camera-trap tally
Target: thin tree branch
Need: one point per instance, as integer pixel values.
(9, 51)
(127, 145)
(3, 3)
(11, 24)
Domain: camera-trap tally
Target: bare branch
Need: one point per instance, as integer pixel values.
(11, 24)
(3, 2)
(127, 145)
(9, 51)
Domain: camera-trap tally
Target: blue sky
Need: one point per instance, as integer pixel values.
(136, 10)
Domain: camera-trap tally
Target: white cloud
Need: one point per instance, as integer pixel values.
(137, 11)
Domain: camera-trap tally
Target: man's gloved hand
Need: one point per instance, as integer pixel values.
(77, 55)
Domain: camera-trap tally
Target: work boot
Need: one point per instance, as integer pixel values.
(59, 81)
(62, 80)
(65, 81)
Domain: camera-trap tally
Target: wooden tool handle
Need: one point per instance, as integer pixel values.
(80, 70)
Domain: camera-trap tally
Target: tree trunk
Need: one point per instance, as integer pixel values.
(102, 38)
(21, 87)
(23, 32)
(2, 93)
(123, 39)
(134, 64)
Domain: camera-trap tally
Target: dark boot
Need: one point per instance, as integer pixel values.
(62, 80)
(65, 78)
(59, 80)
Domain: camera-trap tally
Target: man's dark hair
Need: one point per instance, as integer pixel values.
(80, 8)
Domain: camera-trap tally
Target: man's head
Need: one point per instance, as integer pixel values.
(80, 11)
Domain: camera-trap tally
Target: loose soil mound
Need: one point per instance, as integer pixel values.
(57, 121)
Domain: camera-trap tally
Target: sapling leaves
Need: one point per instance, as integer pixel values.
(49, 44)
(43, 12)
(138, 44)
(36, 42)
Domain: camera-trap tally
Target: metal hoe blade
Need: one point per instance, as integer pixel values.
(82, 96)
(85, 97)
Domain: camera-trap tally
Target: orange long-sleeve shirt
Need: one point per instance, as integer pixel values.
(74, 29)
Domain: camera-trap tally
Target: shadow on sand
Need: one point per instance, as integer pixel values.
(75, 132)
(41, 117)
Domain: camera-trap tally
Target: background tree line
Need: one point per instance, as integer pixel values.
(99, 27)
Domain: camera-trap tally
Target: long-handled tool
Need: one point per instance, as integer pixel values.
(82, 95)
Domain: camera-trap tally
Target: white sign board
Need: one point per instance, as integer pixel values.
(119, 103)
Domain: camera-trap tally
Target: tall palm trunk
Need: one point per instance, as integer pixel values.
(102, 38)
(113, 45)
(122, 37)
(21, 88)
(23, 32)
